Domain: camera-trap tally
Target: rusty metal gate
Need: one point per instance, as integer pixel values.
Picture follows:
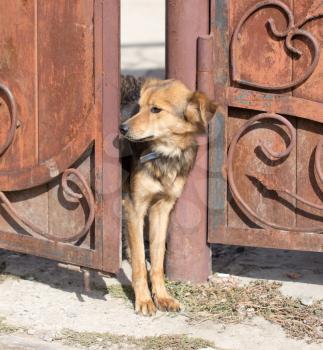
(267, 190)
(59, 112)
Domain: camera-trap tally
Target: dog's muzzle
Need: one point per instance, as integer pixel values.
(124, 128)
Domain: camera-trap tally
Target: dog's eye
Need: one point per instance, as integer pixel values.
(155, 110)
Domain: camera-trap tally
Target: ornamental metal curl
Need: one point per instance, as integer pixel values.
(36, 231)
(13, 116)
(293, 30)
(249, 212)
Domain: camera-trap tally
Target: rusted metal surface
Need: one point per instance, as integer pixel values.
(188, 255)
(55, 251)
(17, 72)
(205, 65)
(274, 164)
(217, 182)
(256, 237)
(293, 30)
(270, 184)
(65, 48)
(59, 83)
(42, 173)
(186, 20)
(263, 59)
(13, 117)
(308, 132)
(86, 279)
(111, 176)
(282, 104)
(67, 237)
(48, 142)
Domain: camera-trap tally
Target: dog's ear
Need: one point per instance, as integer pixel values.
(200, 110)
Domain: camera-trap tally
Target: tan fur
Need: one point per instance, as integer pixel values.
(156, 185)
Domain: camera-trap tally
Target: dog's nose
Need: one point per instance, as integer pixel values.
(123, 128)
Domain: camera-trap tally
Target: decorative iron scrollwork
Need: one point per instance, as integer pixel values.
(87, 192)
(8, 96)
(268, 182)
(293, 30)
(36, 231)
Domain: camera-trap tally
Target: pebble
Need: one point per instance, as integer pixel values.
(307, 301)
(47, 338)
(223, 275)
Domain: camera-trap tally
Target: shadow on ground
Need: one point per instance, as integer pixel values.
(56, 275)
(273, 264)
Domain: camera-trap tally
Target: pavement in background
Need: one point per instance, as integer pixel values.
(143, 37)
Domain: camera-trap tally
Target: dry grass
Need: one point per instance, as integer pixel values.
(7, 328)
(121, 291)
(6, 277)
(105, 340)
(225, 301)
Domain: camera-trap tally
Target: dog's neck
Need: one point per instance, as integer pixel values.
(173, 147)
(166, 159)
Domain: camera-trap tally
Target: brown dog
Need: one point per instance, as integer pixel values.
(166, 125)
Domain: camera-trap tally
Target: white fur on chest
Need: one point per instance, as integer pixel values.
(167, 150)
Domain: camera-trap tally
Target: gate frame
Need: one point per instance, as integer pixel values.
(188, 256)
(107, 178)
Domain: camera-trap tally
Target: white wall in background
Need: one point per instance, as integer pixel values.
(143, 37)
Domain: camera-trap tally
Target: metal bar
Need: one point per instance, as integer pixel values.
(96, 238)
(217, 181)
(268, 239)
(86, 279)
(282, 104)
(111, 175)
(188, 255)
(205, 65)
(56, 251)
(186, 20)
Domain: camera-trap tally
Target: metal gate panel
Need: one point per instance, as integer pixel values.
(274, 196)
(59, 62)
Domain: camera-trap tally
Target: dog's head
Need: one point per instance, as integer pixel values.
(168, 108)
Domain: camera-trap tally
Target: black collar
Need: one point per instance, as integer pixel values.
(149, 156)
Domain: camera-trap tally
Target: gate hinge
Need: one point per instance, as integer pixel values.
(205, 82)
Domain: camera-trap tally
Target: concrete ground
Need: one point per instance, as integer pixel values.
(42, 298)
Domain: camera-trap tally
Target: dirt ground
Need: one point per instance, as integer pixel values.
(41, 299)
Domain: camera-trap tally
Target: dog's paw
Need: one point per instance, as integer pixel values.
(167, 304)
(145, 307)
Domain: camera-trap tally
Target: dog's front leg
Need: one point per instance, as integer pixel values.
(135, 220)
(158, 223)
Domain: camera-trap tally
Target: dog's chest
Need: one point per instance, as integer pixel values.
(167, 170)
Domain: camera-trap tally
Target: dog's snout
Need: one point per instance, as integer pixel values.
(123, 128)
